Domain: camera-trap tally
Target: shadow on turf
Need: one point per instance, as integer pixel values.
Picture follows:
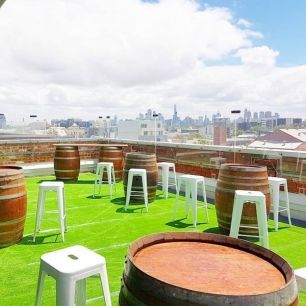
(179, 224)
(132, 210)
(28, 240)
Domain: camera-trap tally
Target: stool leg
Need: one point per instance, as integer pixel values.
(194, 201)
(187, 198)
(174, 176)
(64, 210)
(287, 203)
(262, 223)
(205, 200)
(114, 179)
(166, 183)
(109, 181)
(101, 178)
(236, 218)
(275, 197)
(65, 292)
(41, 208)
(145, 190)
(176, 198)
(97, 180)
(39, 200)
(40, 286)
(80, 295)
(128, 191)
(61, 211)
(105, 286)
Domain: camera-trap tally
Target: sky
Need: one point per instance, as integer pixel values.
(85, 59)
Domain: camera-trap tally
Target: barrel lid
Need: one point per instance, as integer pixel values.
(140, 155)
(243, 167)
(210, 263)
(10, 170)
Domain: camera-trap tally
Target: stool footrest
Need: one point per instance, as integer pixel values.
(245, 235)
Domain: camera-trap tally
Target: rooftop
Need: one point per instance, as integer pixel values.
(102, 225)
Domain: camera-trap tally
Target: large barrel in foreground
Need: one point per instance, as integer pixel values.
(178, 269)
(240, 177)
(114, 155)
(13, 205)
(141, 161)
(67, 163)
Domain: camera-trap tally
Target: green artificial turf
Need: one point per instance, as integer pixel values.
(102, 225)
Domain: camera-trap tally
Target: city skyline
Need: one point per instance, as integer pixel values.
(61, 60)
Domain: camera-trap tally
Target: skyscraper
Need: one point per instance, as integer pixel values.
(2, 121)
(175, 119)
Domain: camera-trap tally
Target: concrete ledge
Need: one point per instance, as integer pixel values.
(41, 169)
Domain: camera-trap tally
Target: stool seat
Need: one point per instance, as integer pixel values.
(143, 174)
(70, 267)
(52, 185)
(191, 194)
(259, 199)
(111, 179)
(165, 183)
(44, 187)
(71, 261)
(300, 275)
(275, 183)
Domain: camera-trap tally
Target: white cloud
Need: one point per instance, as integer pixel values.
(258, 56)
(75, 59)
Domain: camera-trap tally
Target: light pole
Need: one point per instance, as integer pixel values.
(108, 127)
(33, 116)
(155, 130)
(237, 111)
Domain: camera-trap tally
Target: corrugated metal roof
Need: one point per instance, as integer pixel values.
(299, 134)
(274, 145)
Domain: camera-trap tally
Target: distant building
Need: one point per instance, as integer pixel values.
(283, 139)
(141, 130)
(2, 121)
(175, 118)
(75, 131)
(268, 114)
(220, 132)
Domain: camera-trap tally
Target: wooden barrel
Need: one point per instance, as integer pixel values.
(13, 205)
(67, 163)
(239, 177)
(141, 161)
(178, 269)
(114, 155)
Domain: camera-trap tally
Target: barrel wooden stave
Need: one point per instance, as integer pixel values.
(13, 205)
(141, 161)
(115, 155)
(240, 177)
(141, 288)
(67, 163)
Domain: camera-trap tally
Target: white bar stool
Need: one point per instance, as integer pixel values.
(275, 184)
(143, 174)
(111, 180)
(57, 187)
(70, 267)
(300, 275)
(191, 194)
(165, 168)
(259, 199)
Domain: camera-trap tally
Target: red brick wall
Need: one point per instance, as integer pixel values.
(37, 152)
(187, 160)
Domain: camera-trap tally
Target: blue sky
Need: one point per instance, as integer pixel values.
(282, 23)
